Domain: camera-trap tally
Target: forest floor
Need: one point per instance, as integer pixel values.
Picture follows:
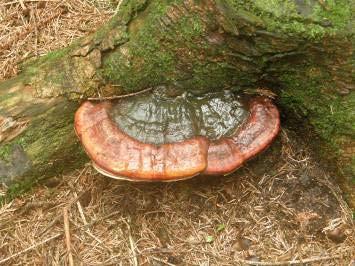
(281, 208)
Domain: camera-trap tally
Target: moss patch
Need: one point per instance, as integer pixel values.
(290, 17)
(331, 116)
(167, 48)
(50, 144)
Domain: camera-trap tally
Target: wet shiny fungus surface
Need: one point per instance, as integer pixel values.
(159, 118)
(171, 135)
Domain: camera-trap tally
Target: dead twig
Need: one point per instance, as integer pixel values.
(22, 4)
(118, 6)
(57, 218)
(290, 262)
(131, 243)
(162, 261)
(82, 215)
(324, 5)
(67, 235)
(119, 96)
(27, 1)
(34, 15)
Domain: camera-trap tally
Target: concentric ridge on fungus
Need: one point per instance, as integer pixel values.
(158, 137)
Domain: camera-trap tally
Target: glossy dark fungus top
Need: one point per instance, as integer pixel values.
(168, 136)
(159, 117)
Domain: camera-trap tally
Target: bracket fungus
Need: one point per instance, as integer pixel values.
(169, 135)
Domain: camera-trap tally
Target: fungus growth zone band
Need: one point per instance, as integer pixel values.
(117, 154)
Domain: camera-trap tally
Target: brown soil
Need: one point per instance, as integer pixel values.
(281, 208)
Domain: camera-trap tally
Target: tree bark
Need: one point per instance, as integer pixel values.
(300, 50)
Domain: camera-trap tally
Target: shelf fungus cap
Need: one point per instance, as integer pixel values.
(164, 137)
(255, 134)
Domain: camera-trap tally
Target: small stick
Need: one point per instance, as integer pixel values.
(162, 261)
(67, 235)
(27, 1)
(80, 209)
(82, 215)
(291, 262)
(119, 96)
(57, 218)
(22, 4)
(34, 13)
(131, 243)
(323, 5)
(118, 6)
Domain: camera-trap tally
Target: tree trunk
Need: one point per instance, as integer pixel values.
(300, 50)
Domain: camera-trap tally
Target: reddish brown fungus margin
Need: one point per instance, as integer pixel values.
(255, 135)
(118, 155)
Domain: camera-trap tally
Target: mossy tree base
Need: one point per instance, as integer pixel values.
(301, 50)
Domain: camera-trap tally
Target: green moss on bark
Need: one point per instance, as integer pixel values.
(312, 99)
(307, 19)
(50, 145)
(168, 48)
